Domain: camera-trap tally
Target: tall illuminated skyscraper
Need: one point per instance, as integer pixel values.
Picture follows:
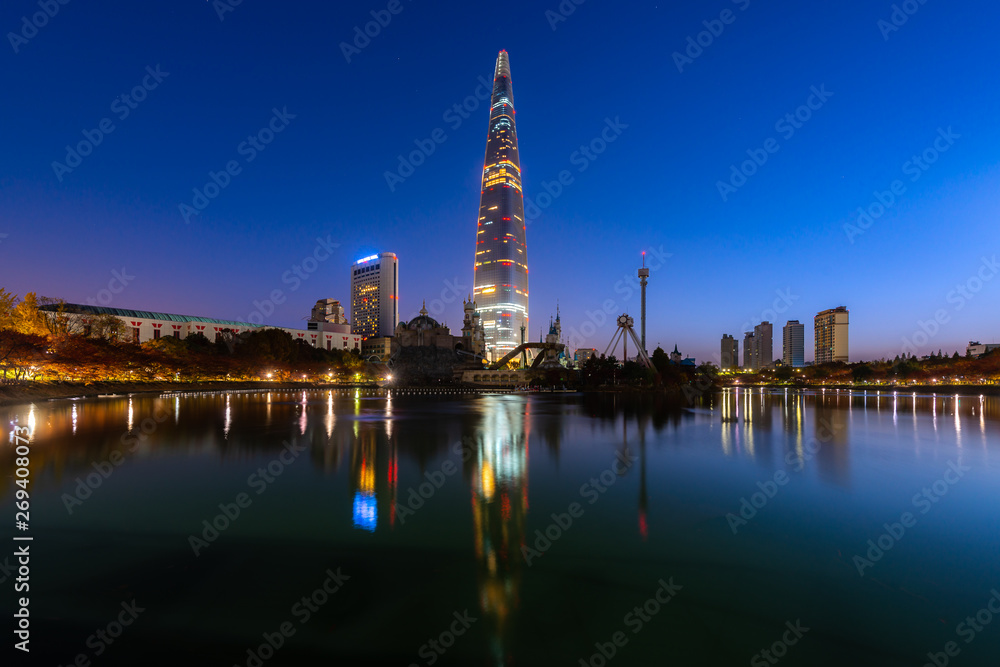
(375, 295)
(501, 267)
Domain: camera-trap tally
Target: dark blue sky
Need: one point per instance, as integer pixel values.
(779, 237)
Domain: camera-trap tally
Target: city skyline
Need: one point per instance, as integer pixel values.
(648, 138)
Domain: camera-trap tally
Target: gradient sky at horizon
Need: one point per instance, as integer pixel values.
(655, 186)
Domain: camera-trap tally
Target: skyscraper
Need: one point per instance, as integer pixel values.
(375, 295)
(831, 335)
(763, 341)
(748, 347)
(501, 266)
(793, 349)
(730, 352)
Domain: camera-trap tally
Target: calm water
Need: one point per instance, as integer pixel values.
(697, 538)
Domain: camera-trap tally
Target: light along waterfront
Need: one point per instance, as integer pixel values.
(548, 519)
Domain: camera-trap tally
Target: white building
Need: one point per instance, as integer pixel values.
(375, 295)
(143, 325)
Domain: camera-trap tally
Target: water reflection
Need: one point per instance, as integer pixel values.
(362, 442)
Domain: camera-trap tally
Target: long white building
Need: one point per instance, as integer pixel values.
(143, 325)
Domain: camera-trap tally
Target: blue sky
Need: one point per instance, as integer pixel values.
(777, 238)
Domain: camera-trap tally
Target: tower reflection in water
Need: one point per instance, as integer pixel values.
(498, 472)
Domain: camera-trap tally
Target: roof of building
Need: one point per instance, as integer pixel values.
(83, 309)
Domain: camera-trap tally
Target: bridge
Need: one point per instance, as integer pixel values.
(523, 347)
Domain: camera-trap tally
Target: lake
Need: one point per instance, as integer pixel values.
(373, 527)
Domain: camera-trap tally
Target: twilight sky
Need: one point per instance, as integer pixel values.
(781, 243)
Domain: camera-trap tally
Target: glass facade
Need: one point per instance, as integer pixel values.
(501, 266)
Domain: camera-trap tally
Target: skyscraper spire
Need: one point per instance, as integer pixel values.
(501, 266)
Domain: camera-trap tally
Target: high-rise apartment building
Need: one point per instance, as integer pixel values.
(730, 352)
(375, 295)
(501, 267)
(763, 341)
(831, 335)
(793, 349)
(748, 345)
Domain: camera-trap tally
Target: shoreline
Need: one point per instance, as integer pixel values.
(13, 394)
